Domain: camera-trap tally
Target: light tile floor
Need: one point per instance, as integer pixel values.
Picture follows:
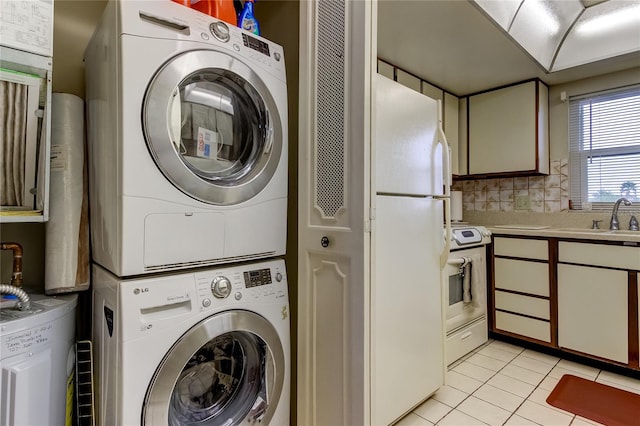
(503, 384)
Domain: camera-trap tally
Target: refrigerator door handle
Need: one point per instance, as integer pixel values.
(442, 138)
(444, 256)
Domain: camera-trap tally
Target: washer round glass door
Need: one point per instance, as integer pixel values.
(226, 370)
(212, 127)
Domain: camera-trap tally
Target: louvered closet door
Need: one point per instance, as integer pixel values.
(334, 199)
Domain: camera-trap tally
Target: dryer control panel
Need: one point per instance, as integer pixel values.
(172, 21)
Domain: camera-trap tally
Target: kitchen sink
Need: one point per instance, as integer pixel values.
(589, 230)
(598, 231)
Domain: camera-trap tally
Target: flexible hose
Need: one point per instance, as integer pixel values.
(25, 301)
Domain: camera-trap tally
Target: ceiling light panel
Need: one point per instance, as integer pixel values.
(501, 11)
(540, 26)
(605, 30)
(589, 3)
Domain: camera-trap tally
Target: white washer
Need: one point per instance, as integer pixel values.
(205, 347)
(187, 129)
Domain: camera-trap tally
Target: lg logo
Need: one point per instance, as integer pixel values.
(137, 291)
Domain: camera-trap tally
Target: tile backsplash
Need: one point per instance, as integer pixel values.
(539, 194)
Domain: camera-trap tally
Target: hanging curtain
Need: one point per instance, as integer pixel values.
(13, 127)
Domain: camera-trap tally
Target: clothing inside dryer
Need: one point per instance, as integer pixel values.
(220, 125)
(223, 383)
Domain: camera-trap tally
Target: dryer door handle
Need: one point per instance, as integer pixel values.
(269, 136)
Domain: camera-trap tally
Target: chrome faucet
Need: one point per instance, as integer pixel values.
(614, 225)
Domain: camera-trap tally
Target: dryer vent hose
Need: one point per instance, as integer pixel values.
(25, 301)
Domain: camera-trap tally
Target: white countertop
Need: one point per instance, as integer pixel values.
(577, 233)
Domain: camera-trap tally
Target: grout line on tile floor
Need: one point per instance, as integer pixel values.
(525, 399)
(516, 351)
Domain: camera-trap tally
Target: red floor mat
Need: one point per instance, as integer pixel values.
(601, 403)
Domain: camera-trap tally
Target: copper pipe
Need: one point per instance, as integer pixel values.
(16, 277)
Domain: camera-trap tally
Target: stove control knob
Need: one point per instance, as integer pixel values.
(221, 287)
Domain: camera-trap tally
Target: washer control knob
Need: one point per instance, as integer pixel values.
(220, 30)
(238, 295)
(221, 287)
(206, 303)
(278, 276)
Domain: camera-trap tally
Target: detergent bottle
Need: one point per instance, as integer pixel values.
(247, 21)
(221, 9)
(186, 3)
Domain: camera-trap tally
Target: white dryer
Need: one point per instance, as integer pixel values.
(187, 135)
(206, 347)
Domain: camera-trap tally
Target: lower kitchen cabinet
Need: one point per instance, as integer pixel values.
(521, 288)
(593, 317)
(576, 296)
(593, 299)
(524, 315)
(524, 326)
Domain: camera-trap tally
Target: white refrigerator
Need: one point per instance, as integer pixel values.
(408, 251)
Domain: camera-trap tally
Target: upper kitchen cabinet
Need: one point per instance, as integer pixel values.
(408, 80)
(386, 69)
(463, 146)
(450, 108)
(508, 131)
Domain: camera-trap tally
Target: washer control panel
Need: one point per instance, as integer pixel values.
(257, 278)
(262, 282)
(221, 287)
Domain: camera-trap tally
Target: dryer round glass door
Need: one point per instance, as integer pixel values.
(212, 127)
(226, 370)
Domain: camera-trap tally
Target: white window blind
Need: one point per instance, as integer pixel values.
(604, 147)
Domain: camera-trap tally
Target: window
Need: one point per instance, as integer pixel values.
(604, 147)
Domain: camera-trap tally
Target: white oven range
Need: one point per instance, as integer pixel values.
(465, 291)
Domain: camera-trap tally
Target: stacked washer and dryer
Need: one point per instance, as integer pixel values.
(187, 121)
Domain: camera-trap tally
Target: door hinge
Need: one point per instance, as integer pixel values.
(371, 218)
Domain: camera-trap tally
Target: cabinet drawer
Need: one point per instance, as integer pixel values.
(522, 304)
(461, 342)
(524, 326)
(517, 247)
(522, 276)
(600, 255)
